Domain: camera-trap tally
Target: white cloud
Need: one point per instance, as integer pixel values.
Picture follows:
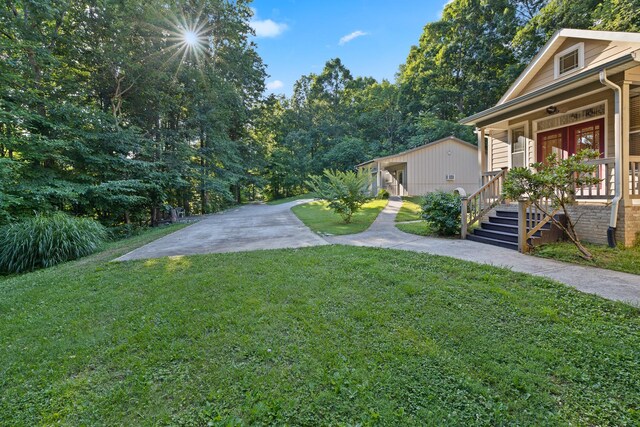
(266, 27)
(351, 36)
(274, 85)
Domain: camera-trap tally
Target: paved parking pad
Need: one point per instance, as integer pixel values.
(247, 228)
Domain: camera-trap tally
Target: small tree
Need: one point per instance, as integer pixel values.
(345, 191)
(556, 181)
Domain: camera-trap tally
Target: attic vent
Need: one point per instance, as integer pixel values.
(569, 60)
(451, 177)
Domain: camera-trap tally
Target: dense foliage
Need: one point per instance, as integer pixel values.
(442, 211)
(105, 111)
(47, 240)
(345, 192)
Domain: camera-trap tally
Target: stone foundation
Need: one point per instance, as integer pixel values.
(628, 228)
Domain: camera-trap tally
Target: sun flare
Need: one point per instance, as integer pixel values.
(191, 38)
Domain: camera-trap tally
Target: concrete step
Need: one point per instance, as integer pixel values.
(494, 242)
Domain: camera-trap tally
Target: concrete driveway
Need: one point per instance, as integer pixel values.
(247, 228)
(253, 227)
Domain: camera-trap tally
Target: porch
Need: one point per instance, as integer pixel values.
(595, 116)
(393, 178)
(596, 207)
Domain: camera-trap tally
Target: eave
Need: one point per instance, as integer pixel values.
(542, 95)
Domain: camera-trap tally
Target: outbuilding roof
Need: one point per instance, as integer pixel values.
(421, 147)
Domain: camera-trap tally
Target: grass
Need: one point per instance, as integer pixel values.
(411, 209)
(319, 218)
(421, 228)
(318, 336)
(620, 258)
(291, 199)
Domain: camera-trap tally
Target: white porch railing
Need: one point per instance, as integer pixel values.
(478, 204)
(605, 189)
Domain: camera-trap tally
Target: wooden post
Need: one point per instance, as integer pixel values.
(523, 246)
(624, 138)
(463, 217)
(482, 155)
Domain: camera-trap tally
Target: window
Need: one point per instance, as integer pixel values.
(517, 147)
(569, 60)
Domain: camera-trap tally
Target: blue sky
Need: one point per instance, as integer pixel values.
(371, 37)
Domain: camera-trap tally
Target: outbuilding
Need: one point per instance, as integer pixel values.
(447, 164)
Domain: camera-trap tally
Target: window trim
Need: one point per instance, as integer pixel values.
(525, 125)
(556, 60)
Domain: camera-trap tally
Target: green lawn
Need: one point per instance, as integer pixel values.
(291, 199)
(421, 228)
(319, 218)
(319, 336)
(620, 259)
(410, 210)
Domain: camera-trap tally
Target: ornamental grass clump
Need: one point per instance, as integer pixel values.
(47, 240)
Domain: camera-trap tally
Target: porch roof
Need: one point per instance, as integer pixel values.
(505, 110)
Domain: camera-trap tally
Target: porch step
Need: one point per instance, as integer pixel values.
(497, 235)
(493, 242)
(502, 230)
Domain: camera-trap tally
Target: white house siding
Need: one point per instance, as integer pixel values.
(499, 150)
(427, 169)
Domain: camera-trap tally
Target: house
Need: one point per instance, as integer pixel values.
(447, 164)
(582, 90)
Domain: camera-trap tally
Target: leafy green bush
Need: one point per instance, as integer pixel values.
(382, 194)
(345, 191)
(442, 211)
(46, 240)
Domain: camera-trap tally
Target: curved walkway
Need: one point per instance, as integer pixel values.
(383, 233)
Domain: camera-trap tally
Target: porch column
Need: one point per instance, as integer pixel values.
(378, 177)
(626, 111)
(482, 154)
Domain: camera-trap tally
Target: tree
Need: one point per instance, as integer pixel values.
(106, 112)
(556, 181)
(345, 191)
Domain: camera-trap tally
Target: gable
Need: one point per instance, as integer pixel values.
(598, 47)
(455, 143)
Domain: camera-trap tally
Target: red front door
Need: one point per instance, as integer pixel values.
(571, 139)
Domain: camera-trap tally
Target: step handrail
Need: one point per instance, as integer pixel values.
(482, 201)
(529, 222)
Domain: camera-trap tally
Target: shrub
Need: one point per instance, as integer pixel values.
(442, 211)
(345, 191)
(382, 194)
(46, 240)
